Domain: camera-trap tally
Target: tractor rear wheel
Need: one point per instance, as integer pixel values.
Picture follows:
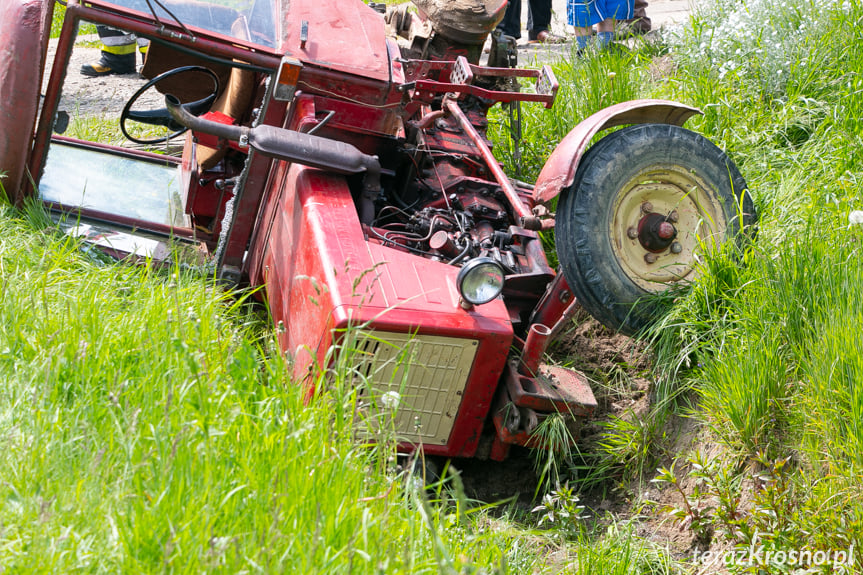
(645, 202)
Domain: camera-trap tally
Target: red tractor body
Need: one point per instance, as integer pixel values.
(338, 157)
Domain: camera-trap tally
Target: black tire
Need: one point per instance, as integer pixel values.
(638, 177)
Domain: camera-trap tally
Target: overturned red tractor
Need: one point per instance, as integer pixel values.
(336, 154)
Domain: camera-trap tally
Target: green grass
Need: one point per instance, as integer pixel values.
(149, 424)
(766, 346)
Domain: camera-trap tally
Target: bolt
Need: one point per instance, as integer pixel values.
(632, 233)
(564, 296)
(650, 258)
(676, 248)
(646, 207)
(673, 217)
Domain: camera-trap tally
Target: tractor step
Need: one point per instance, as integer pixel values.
(554, 389)
(525, 401)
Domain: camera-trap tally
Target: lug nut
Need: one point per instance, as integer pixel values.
(650, 258)
(646, 207)
(632, 233)
(673, 217)
(676, 248)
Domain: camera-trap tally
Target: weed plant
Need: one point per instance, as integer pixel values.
(775, 516)
(618, 552)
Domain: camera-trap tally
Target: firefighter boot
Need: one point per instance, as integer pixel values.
(110, 63)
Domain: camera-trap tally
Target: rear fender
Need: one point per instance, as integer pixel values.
(559, 171)
(24, 30)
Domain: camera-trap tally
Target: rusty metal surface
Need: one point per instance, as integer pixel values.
(534, 348)
(555, 303)
(559, 171)
(24, 26)
(555, 389)
(526, 217)
(432, 78)
(524, 402)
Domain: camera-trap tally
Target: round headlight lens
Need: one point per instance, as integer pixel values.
(480, 281)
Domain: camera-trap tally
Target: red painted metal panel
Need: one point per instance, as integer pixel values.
(345, 36)
(313, 268)
(559, 170)
(24, 29)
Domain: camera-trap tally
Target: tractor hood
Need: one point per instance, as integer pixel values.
(347, 36)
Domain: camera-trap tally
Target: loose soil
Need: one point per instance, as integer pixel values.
(619, 369)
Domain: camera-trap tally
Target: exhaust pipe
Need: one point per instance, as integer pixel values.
(535, 345)
(292, 146)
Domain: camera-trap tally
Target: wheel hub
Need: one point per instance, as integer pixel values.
(655, 232)
(663, 217)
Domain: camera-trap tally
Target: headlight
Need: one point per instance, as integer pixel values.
(480, 281)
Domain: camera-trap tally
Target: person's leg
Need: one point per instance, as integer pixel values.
(539, 21)
(511, 23)
(118, 53)
(605, 33)
(615, 11)
(583, 36)
(581, 15)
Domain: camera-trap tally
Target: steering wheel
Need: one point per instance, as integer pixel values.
(161, 116)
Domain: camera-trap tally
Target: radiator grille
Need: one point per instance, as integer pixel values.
(413, 383)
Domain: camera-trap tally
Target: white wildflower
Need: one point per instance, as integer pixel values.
(390, 400)
(856, 217)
